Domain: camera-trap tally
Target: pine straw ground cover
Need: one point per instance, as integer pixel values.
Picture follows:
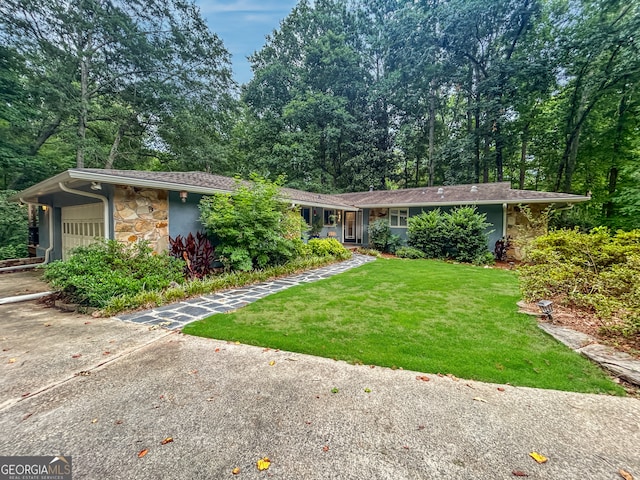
(422, 315)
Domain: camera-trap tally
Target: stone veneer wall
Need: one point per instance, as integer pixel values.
(521, 231)
(141, 214)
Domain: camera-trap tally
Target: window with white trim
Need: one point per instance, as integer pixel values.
(398, 217)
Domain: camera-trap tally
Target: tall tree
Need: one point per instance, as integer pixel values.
(112, 69)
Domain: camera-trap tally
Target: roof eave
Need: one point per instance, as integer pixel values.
(575, 199)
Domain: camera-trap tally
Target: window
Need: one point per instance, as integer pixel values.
(330, 217)
(398, 217)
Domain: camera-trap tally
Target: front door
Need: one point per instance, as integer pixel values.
(349, 226)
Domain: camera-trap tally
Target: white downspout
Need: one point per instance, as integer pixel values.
(102, 198)
(504, 220)
(47, 252)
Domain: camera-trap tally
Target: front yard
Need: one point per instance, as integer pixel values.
(422, 315)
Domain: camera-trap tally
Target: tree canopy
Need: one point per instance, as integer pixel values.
(346, 94)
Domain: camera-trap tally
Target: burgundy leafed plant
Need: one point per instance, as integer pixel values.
(197, 252)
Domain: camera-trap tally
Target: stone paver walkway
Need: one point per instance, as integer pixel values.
(177, 315)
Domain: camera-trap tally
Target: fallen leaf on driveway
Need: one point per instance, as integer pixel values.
(325, 448)
(479, 399)
(424, 378)
(236, 471)
(166, 440)
(626, 475)
(106, 353)
(263, 463)
(367, 390)
(500, 389)
(537, 457)
(47, 324)
(142, 453)
(12, 360)
(217, 350)
(272, 363)
(77, 355)
(519, 473)
(95, 420)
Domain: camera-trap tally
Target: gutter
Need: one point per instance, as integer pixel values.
(47, 252)
(105, 201)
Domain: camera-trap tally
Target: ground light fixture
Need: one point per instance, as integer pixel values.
(546, 306)
(183, 196)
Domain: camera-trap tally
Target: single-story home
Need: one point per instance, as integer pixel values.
(78, 205)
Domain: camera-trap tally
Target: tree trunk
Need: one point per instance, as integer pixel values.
(114, 148)
(499, 151)
(523, 155)
(608, 207)
(432, 128)
(84, 111)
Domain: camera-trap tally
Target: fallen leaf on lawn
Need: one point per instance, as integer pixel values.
(166, 440)
(142, 453)
(519, 473)
(424, 378)
(325, 448)
(500, 389)
(626, 475)
(236, 471)
(272, 363)
(263, 463)
(12, 360)
(479, 399)
(77, 355)
(537, 457)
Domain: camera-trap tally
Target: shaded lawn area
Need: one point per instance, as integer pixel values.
(421, 315)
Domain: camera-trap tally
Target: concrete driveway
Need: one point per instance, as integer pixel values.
(227, 405)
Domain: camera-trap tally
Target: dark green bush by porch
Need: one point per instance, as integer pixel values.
(381, 238)
(460, 234)
(13, 227)
(94, 274)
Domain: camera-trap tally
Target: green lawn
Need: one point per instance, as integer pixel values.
(421, 315)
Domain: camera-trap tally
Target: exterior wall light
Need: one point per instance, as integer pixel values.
(546, 306)
(183, 196)
(44, 208)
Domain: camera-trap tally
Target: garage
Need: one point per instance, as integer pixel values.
(81, 225)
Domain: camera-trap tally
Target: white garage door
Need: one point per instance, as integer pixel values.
(81, 225)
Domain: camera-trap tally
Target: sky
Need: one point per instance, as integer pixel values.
(242, 25)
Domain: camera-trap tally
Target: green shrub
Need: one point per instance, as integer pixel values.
(597, 271)
(427, 233)
(381, 238)
(14, 225)
(460, 234)
(328, 247)
(94, 274)
(252, 225)
(410, 252)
